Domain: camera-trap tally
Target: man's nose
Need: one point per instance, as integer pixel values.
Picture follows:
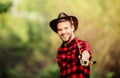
(63, 31)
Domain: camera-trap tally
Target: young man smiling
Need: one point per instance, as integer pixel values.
(74, 54)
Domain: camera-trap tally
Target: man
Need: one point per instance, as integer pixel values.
(74, 55)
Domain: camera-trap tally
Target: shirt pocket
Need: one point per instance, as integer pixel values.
(71, 58)
(61, 59)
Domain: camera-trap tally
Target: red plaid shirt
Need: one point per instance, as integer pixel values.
(68, 60)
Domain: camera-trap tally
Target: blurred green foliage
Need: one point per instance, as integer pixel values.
(5, 7)
(28, 46)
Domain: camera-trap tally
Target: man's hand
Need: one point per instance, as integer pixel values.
(84, 60)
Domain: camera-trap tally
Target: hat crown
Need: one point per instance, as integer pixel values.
(62, 15)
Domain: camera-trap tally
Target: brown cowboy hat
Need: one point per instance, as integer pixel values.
(73, 19)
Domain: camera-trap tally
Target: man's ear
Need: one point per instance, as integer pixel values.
(73, 28)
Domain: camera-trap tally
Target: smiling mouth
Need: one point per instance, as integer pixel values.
(64, 36)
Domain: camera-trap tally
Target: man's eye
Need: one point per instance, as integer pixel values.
(66, 27)
(59, 29)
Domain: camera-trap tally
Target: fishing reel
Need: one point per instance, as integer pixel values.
(86, 63)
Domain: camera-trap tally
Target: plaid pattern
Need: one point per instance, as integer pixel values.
(68, 61)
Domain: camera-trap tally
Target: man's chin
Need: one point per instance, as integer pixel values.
(65, 40)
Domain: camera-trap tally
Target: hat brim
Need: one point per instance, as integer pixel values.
(53, 23)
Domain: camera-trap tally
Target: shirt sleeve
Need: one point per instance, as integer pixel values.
(85, 49)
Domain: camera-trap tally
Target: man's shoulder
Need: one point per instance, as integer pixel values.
(80, 41)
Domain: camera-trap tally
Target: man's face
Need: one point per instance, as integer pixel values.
(65, 30)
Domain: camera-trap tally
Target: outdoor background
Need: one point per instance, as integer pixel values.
(28, 46)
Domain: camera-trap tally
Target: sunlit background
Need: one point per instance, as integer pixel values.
(28, 46)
